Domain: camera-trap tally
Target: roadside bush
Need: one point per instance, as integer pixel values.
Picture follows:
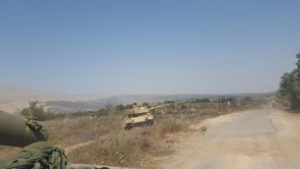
(203, 129)
(171, 126)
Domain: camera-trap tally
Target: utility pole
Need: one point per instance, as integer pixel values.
(221, 104)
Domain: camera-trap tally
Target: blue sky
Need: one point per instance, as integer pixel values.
(148, 46)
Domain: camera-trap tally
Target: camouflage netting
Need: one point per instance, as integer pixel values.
(39, 155)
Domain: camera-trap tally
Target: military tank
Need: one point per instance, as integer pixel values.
(37, 153)
(138, 116)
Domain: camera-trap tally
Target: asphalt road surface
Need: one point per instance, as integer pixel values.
(263, 139)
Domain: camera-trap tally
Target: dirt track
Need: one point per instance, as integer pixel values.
(264, 139)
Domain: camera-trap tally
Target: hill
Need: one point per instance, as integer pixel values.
(14, 99)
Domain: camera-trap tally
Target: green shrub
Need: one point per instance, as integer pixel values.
(203, 129)
(37, 112)
(171, 126)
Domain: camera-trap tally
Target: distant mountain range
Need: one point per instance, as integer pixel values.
(95, 104)
(14, 99)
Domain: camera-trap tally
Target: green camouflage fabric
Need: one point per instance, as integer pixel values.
(39, 155)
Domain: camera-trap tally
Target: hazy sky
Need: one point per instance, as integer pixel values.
(148, 46)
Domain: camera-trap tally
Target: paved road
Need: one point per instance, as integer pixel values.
(264, 139)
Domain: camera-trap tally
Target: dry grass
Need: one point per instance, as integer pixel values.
(6, 152)
(108, 143)
(70, 131)
(128, 148)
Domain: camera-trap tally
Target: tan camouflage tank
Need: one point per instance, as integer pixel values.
(138, 116)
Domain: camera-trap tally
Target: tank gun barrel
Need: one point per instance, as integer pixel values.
(19, 131)
(156, 107)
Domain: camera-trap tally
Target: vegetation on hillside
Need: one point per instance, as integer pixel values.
(98, 137)
(170, 107)
(34, 110)
(102, 140)
(289, 91)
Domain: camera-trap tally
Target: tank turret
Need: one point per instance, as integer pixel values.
(139, 115)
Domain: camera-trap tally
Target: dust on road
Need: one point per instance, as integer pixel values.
(262, 139)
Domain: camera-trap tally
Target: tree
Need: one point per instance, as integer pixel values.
(169, 101)
(37, 112)
(298, 63)
(102, 112)
(120, 108)
(290, 86)
(247, 101)
(205, 100)
(145, 104)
